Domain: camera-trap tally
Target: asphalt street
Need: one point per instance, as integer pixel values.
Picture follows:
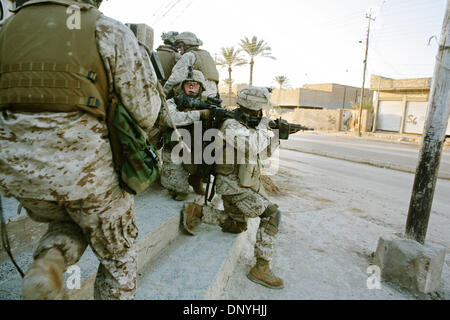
(390, 154)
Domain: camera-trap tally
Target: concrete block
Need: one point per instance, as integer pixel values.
(408, 263)
(228, 267)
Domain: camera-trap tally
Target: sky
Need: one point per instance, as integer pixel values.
(320, 41)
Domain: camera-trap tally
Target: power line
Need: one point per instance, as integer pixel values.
(166, 11)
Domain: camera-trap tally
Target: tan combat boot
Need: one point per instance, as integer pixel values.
(192, 216)
(262, 274)
(197, 183)
(44, 280)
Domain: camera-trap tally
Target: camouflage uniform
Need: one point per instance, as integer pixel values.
(238, 182)
(188, 59)
(174, 177)
(168, 57)
(241, 203)
(59, 166)
(168, 54)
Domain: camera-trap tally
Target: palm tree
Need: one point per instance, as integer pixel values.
(230, 58)
(255, 48)
(281, 80)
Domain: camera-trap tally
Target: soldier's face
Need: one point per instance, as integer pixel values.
(180, 47)
(191, 88)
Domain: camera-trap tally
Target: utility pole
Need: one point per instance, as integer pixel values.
(364, 73)
(433, 139)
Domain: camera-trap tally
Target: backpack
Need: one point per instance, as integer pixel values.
(135, 158)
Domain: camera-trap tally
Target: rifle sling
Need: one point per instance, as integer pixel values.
(5, 240)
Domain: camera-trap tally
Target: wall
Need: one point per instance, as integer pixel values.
(285, 97)
(330, 96)
(400, 104)
(325, 119)
(388, 84)
(318, 119)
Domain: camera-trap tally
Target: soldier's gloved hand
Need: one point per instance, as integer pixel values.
(284, 130)
(180, 100)
(220, 114)
(204, 114)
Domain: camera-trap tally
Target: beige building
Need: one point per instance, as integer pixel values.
(229, 100)
(317, 96)
(320, 96)
(401, 104)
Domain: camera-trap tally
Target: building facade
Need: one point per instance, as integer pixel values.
(320, 96)
(401, 104)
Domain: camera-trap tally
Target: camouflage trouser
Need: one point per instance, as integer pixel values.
(241, 207)
(107, 223)
(174, 177)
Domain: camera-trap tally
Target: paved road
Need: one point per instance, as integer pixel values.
(387, 154)
(334, 212)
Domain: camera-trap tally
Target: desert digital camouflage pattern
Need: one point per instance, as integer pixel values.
(241, 203)
(180, 71)
(67, 155)
(109, 223)
(51, 161)
(180, 118)
(174, 176)
(254, 98)
(241, 207)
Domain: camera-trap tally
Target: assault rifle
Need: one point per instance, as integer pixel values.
(219, 114)
(286, 128)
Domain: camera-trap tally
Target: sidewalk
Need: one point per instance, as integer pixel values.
(385, 150)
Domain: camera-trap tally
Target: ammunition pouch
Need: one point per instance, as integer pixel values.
(249, 175)
(225, 169)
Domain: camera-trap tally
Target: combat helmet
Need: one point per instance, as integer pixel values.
(254, 98)
(192, 75)
(169, 37)
(195, 75)
(188, 38)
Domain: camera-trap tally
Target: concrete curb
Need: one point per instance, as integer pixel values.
(228, 268)
(379, 164)
(391, 137)
(149, 248)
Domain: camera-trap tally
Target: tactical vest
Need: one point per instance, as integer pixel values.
(249, 174)
(167, 57)
(50, 63)
(205, 63)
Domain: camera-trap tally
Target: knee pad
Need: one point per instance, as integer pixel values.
(278, 217)
(272, 223)
(233, 226)
(270, 211)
